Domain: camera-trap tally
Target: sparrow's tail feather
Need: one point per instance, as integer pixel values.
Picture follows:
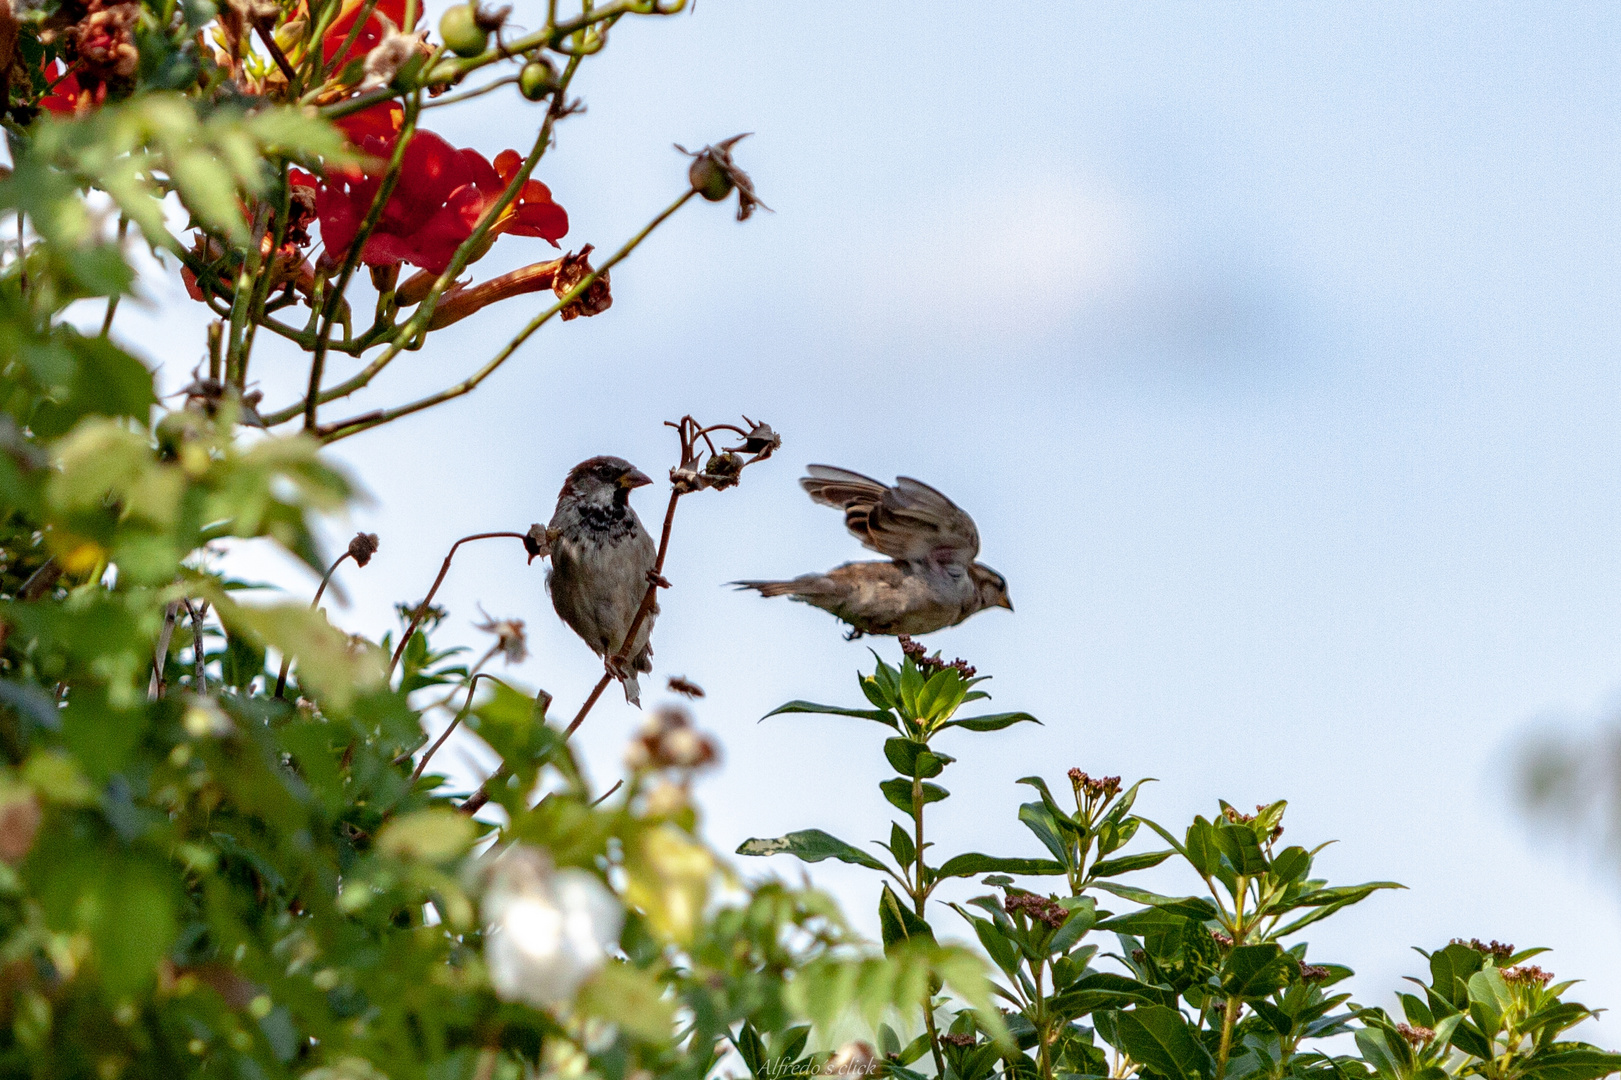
(771, 588)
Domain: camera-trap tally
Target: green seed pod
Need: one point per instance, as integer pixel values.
(709, 179)
(461, 31)
(537, 79)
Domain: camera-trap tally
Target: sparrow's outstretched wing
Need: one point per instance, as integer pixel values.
(910, 522)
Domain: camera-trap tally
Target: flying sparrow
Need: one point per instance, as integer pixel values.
(931, 580)
(602, 561)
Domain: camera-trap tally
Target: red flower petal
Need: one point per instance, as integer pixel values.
(370, 34)
(507, 163)
(545, 220)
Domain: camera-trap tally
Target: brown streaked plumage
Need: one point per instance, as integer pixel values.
(931, 580)
(601, 558)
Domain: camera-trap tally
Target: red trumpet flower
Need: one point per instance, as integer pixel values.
(441, 196)
(370, 34)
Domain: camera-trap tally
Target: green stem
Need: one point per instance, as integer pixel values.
(261, 284)
(1044, 1059)
(236, 361)
(352, 259)
(458, 262)
(552, 36)
(1229, 1017)
(920, 899)
(344, 428)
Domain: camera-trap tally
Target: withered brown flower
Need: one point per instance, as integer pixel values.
(574, 269)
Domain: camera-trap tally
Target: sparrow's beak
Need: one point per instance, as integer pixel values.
(1006, 603)
(634, 479)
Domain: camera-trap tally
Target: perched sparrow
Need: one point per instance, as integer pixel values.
(602, 561)
(932, 580)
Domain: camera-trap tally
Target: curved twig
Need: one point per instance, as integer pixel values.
(472, 685)
(422, 608)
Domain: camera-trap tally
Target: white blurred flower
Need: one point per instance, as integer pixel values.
(546, 930)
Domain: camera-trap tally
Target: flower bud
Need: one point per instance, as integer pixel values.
(537, 79)
(460, 29)
(709, 179)
(363, 547)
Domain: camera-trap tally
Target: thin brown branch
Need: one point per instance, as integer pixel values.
(472, 685)
(275, 53)
(422, 608)
(160, 654)
(199, 678)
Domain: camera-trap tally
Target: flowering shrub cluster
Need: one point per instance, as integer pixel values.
(224, 850)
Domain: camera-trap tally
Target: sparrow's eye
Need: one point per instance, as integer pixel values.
(607, 473)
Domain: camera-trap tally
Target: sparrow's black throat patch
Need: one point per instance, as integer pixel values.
(604, 524)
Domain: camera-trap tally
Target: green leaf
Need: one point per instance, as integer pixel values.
(941, 695)
(434, 835)
(1107, 990)
(810, 845)
(1038, 820)
(1003, 953)
(1083, 916)
(1291, 864)
(972, 863)
(1241, 847)
(1489, 999)
(993, 722)
(1127, 863)
(630, 998)
(914, 759)
(832, 710)
(1160, 1039)
(1252, 971)
(900, 845)
(1278, 1020)
(899, 793)
(1570, 1065)
(900, 924)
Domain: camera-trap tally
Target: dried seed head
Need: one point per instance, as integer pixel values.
(363, 547)
(761, 441)
(1103, 787)
(1040, 909)
(931, 665)
(685, 687)
(537, 542)
(722, 471)
(509, 637)
(490, 20)
(1312, 973)
(1415, 1036)
(1221, 939)
(1494, 949)
(1527, 975)
(959, 1040)
(596, 298)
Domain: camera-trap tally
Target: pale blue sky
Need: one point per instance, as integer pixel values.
(1271, 345)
